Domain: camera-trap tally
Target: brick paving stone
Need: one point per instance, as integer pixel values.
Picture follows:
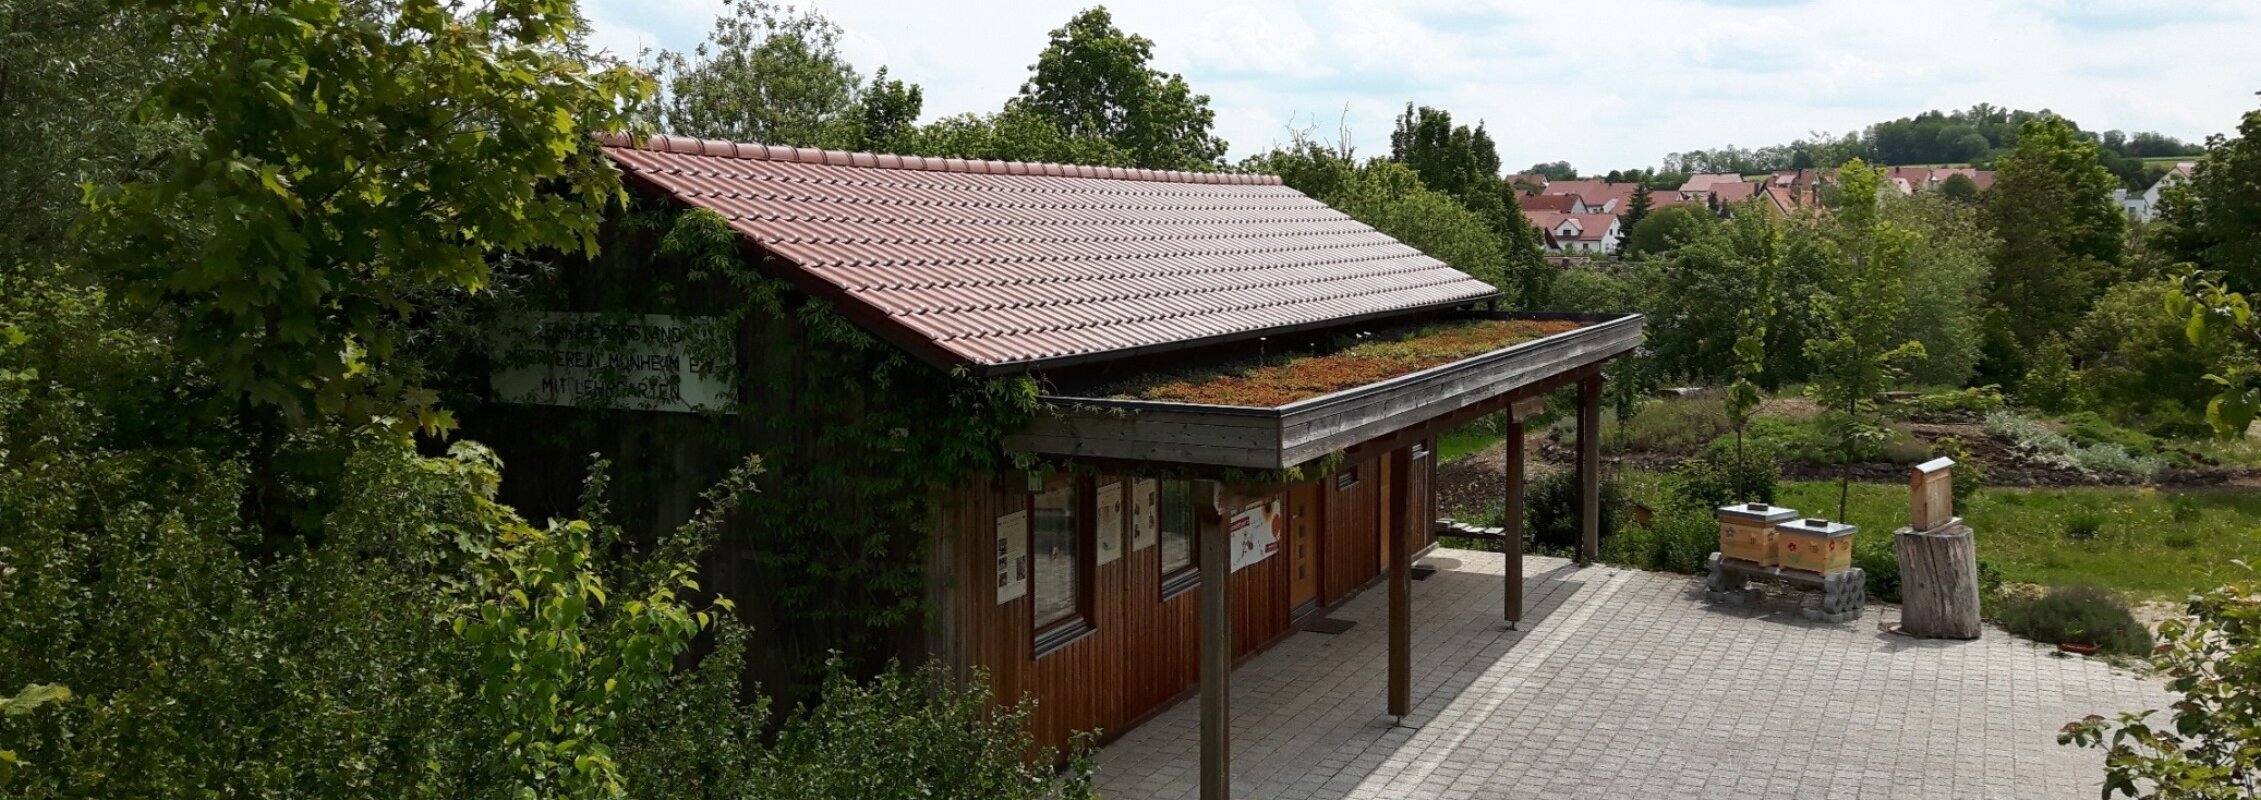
(1623, 684)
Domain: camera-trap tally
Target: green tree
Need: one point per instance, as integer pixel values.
(1857, 354)
(2221, 322)
(1555, 170)
(1959, 188)
(2138, 364)
(1457, 160)
(1093, 79)
(1392, 198)
(1950, 255)
(889, 114)
(1014, 134)
(2061, 232)
(2207, 747)
(767, 74)
(350, 161)
(70, 75)
(1667, 229)
(2215, 220)
(1636, 210)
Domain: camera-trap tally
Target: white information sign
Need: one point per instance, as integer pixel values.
(643, 362)
(1255, 533)
(1012, 557)
(1146, 513)
(1110, 504)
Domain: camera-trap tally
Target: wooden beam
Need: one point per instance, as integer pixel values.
(1216, 651)
(1401, 584)
(1589, 469)
(1511, 539)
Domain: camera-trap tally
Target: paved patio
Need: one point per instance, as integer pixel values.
(1625, 684)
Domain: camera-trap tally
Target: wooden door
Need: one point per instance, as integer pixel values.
(1303, 545)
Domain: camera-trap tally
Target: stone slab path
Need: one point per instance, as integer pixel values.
(1625, 684)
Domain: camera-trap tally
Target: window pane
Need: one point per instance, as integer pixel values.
(1176, 517)
(1054, 551)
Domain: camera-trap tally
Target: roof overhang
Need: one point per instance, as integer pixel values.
(1198, 435)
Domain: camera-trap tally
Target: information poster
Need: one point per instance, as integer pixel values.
(647, 362)
(1012, 557)
(1110, 522)
(1146, 513)
(1255, 533)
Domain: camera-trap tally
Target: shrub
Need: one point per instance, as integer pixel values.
(2049, 447)
(915, 735)
(1550, 511)
(2209, 747)
(1682, 540)
(1717, 478)
(1975, 400)
(1801, 440)
(2048, 384)
(2084, 525)
(1670, 426)
(2078, 615)
(1881, 565)
(1970, 473)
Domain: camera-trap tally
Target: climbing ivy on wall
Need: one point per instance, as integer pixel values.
(838, 534)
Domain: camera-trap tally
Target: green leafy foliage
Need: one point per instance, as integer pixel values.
(2061, 233)
(1721, 477)
(2214, 222)
(1681, 540)
(2048, 385)
(2206, 747)
(1678, 427)
(917, 735)
(2221, 322)
(1667, 229)
(1092, 79)
(1880, 567)
(1391, 197)
(2138, 365)
(1550, 511)
(2079, 615)
(773, 75)
(1858, 308)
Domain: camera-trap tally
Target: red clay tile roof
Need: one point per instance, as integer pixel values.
(1548, 202)
(1733, 191)
(1014, 265)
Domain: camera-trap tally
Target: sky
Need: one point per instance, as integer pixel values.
(1603, 85)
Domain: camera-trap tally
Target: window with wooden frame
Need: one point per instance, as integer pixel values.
(1059, 552)
(1174, 515)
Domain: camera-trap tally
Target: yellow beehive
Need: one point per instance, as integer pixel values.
(1746, 531)
(1815, 545)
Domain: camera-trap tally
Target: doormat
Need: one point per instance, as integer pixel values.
(1328, 625)
(1421, 572)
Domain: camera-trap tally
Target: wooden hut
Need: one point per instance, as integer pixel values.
(1241, 394)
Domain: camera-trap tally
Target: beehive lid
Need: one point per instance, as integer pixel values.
(1814, 526)
(1757, 512)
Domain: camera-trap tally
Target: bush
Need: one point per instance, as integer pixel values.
(2084, 525)
(1801, 440)
(1975, 400)
(2209, 659)
(1550, 511)
(1681, 541)
(2079, 615)
(1674, 427)
(2049, 447)
(1880, 563)
(1717, 478)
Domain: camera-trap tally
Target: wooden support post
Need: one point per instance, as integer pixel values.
(1589, 468)
(1401, 584)
(1511, 533)
(1216, 650)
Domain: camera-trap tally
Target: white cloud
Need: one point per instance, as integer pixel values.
(1602, 85)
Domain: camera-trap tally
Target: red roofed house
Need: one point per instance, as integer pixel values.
(1596, 197)
(1593, 234)
(1699, 185)
(1168, 505)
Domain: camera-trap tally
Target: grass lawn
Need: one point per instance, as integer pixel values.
(2150, 544)
(1466, 440)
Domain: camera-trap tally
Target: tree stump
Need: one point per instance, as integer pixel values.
(1938, 581)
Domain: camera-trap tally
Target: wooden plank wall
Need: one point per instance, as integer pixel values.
(1140, 657)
